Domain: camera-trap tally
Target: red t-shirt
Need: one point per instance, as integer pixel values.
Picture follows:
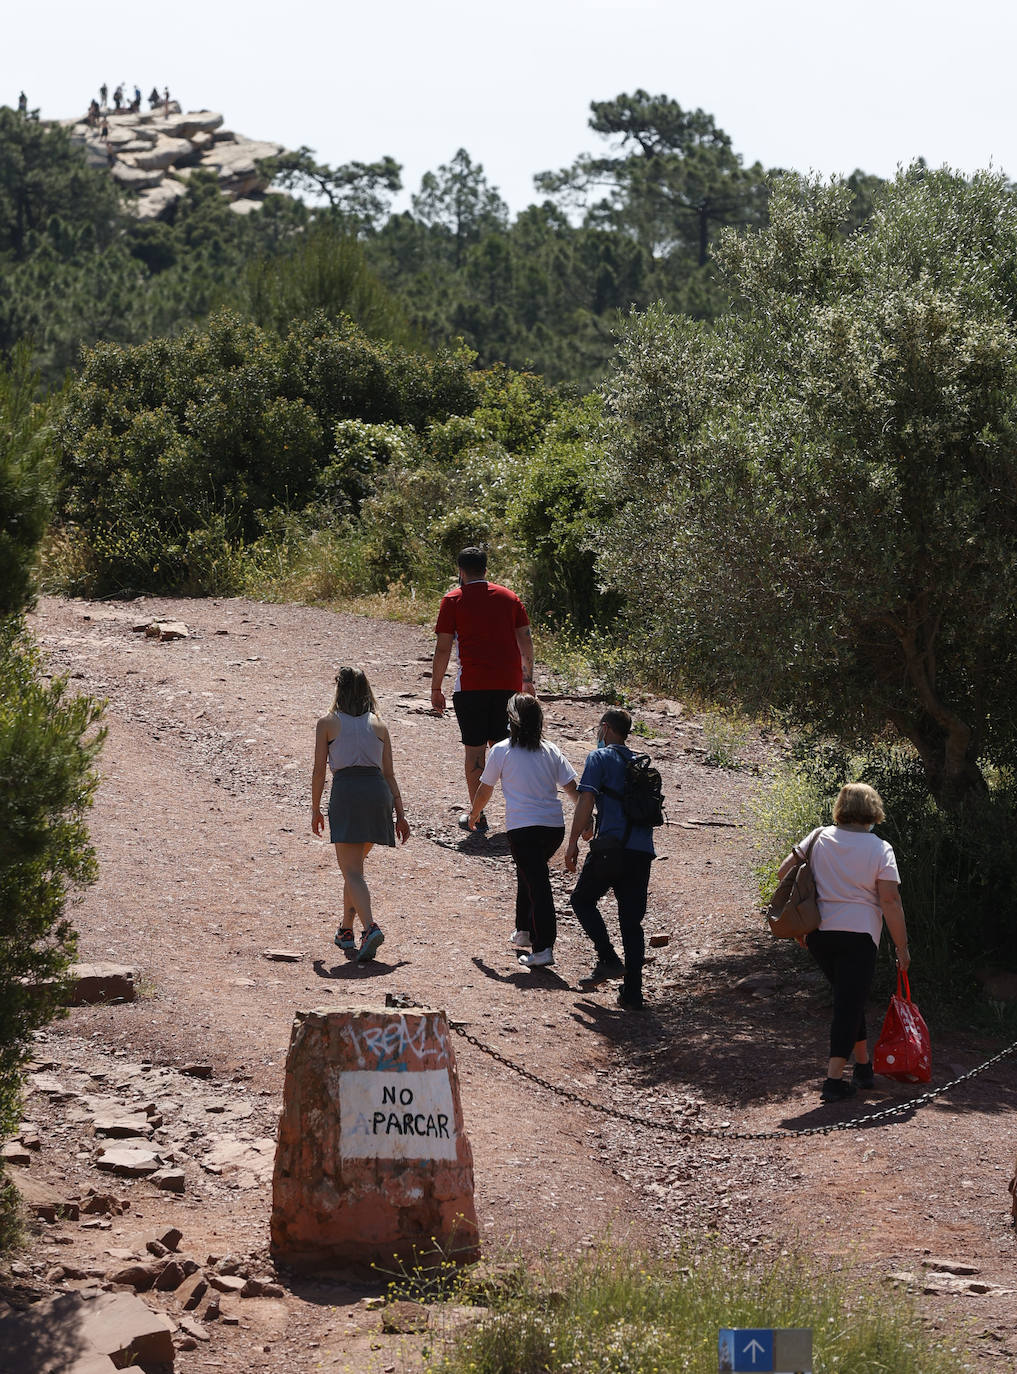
(484, 618)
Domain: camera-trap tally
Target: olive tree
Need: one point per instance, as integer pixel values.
(818, 495)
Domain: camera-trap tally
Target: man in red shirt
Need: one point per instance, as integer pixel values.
(490, 629)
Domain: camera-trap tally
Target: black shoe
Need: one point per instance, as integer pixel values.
(862, 1076)
(629, 1003)
(481, 827)
(602, 972)
(837, 1090)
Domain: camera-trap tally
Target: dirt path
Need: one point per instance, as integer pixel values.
(207, 861)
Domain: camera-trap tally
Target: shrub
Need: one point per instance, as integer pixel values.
(25, 479)
(558, 501)
(48, 741)
(174, 449)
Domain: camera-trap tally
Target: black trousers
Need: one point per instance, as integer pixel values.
(532, 846)
(848, 959)
(626, 873)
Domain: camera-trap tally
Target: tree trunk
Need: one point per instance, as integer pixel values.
(948, 758)
(947, 744)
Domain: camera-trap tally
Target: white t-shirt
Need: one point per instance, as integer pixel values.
(530, 779)
(846, 865)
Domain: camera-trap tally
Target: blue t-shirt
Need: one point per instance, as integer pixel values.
(605, 767)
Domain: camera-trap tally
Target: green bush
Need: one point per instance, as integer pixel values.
(48, 742)
(173, 450)
(559, 500)
(26, 474)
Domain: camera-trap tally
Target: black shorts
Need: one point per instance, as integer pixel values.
(482, 716)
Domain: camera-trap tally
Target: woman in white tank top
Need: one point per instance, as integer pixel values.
(353, 740)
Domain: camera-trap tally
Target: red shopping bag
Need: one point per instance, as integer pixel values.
(903, 1050)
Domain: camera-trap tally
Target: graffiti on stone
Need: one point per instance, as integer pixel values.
(388, 1045)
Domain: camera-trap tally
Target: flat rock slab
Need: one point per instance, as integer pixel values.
(252, 1159)
(129, 1162)
(119, 1127)
(283, 956)
(86, 1335)
(41, 1199)
(101, 983)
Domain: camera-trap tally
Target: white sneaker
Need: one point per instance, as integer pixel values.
(541, 959)
(521, 940)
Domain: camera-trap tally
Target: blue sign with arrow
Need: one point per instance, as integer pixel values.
(755, 1350)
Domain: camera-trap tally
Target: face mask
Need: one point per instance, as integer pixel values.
(600, 737)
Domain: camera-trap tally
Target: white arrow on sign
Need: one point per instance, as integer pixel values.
(754, 1349)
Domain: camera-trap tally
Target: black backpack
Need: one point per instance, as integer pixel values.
(642, 795)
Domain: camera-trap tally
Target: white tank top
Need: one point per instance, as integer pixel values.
(356, 745)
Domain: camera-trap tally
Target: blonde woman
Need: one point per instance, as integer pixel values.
(857, 889)
(354, 741)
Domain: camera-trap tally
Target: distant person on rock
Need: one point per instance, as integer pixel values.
(118, 96)
(22, 103)
(619, 861)
(93, 113)
(531, 770)
(355, 743)
(857, 889)
(165, 97)
(490, 630)
(103, 94)
(154, 97)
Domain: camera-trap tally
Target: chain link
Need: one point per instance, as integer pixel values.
(725, 1132)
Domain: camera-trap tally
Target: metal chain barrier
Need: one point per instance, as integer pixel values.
(725, 1132)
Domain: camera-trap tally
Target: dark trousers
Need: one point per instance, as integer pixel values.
(532, 846)
(626, 872)
(848, 959)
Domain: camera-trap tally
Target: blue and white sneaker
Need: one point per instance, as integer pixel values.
(346, 943)
(370, 942)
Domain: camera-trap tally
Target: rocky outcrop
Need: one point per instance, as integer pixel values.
(153, 152)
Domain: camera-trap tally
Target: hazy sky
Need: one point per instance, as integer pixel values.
(796, 83)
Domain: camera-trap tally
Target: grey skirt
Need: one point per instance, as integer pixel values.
(360, 807)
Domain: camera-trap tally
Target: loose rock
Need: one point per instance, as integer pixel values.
(129, 1163)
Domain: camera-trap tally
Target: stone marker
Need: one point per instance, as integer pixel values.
(372, 1160)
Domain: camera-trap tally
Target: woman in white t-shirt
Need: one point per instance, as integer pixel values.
(857, 889)
(531, 770)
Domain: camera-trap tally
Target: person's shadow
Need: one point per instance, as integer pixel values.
(349, 969)
(523, 977)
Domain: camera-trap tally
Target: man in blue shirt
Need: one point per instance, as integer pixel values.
(619, 860)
